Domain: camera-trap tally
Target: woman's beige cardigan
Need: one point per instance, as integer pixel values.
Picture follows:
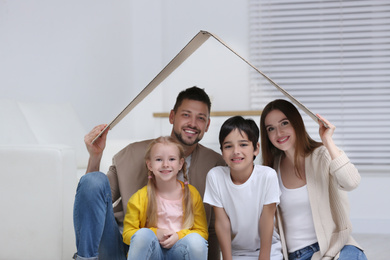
(327, 183)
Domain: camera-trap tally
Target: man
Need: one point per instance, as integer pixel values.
(95, 218)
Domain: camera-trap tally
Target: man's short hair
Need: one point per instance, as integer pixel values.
(193, 93)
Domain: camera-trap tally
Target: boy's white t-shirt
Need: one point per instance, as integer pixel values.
(244, 204)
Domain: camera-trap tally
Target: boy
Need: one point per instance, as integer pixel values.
(243, 195)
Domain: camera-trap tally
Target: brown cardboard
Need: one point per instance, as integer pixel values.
(187, 51)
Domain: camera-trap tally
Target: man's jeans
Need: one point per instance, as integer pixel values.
(145, 245)
(97, 233)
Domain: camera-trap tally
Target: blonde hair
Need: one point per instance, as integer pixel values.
(151, 211)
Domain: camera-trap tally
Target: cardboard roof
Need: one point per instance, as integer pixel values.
(186, 52)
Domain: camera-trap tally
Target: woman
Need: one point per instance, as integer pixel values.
(313, 214)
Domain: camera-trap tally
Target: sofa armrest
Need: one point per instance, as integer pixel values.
(37, 194)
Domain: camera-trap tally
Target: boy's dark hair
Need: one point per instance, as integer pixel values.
(193, 93)
(248, 126)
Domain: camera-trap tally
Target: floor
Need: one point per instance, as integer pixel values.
(376, 246)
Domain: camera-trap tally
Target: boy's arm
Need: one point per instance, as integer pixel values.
(222, 228)
(266, 225)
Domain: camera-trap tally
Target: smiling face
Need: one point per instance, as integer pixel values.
(280, 131)
(165, 162)
(190, 121)
(238, 152)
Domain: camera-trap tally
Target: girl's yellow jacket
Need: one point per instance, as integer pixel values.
(135, 217)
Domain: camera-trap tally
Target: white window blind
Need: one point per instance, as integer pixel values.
(334, 57)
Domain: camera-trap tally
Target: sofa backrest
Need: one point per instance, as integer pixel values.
(43, 123)
(14, 128)
(57, 124)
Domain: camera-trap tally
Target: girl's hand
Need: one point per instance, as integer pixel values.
(161, 234)
(169, 239)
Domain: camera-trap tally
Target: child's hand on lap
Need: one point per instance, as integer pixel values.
(167, 238)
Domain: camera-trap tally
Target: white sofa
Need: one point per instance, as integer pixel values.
(41, 150)
(42, 155)
(37, 194)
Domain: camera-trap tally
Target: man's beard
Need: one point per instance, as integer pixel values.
(179, 137)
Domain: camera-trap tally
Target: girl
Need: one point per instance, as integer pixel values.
(166, 219)
(313, 213)
(243, 196)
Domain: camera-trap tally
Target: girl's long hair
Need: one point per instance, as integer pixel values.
(151, 211)
(304, 144)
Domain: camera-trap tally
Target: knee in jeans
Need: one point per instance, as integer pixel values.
(144, 234)
(93, 182)
(144, 239)
(196, 243)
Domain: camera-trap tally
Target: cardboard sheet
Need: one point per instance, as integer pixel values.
(186, 52)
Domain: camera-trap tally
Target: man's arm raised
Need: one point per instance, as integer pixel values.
(96, 149)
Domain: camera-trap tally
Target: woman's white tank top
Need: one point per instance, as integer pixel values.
(297, 217)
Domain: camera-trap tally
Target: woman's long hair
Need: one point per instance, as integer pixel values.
(151, 212)
(304, 144)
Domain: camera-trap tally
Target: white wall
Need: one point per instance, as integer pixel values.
(98, 55)
(67, 51)
(161, 31)
(369, 203)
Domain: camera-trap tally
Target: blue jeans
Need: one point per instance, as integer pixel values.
(352, 252)
(145, 245)
(97, 233)
(348, 252)
(304, 253)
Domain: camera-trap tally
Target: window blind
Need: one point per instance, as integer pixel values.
(334, 57)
